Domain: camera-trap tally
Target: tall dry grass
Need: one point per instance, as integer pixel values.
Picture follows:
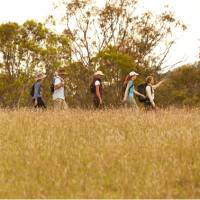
(108, 154)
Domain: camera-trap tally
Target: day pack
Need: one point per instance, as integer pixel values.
(142, 89)
(93, 87)
(52, 86)
(32, 90)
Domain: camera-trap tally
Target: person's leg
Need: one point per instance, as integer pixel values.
(96, 102)
(35, 106)
(41, 103)
(134, 104)
(148, 106)
(64, 105)
(129, 103)
(57, 104)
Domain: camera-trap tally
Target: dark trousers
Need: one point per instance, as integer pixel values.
(40, 103)
(148, 106)
(96, 102)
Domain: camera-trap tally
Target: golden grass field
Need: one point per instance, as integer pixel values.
(107, 154)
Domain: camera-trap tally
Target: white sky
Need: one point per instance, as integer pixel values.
(187, 45)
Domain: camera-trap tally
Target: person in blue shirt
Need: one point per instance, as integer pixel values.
(37, 97)
(130, 92)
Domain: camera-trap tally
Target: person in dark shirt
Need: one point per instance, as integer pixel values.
(37, 98)
(97, 89)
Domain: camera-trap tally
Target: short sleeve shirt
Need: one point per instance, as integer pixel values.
(37, 88)
(97, 83)
(130, 86)
(59, 93)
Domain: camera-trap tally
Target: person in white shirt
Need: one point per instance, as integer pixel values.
(150, 93)
(59, 90)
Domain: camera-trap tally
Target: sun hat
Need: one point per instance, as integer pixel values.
(133, 73)
(61, 71)
(40, 76)
(100, 73)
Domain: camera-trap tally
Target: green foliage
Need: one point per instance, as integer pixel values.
(26, 49)
(112, 38)
(111, 60)
(182, 88)
(77, 85)
(94, 29)
(116, 65)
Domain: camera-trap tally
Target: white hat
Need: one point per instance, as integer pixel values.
(40, 76)
(133, 73)
(100, 73)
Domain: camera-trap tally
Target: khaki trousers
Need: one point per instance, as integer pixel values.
(60, 104)
(131, 103)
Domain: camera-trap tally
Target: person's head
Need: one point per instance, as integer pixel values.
(98, 74)
(133, 75)
(40, 77)
(150, 80)
(61, 72)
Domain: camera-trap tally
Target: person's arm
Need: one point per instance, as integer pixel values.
(139, 94)
(158, 84)
(149, 95)
(98, 93)
(58, 84)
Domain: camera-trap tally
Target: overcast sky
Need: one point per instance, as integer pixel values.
(187, 45)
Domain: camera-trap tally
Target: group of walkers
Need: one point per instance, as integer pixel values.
(57, 89)
(145, 91)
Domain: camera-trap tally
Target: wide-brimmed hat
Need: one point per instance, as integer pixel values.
(99, 73)
(61, 71)
(40, 76)
(133, 73)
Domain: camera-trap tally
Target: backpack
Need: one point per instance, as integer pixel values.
(142, 89)
(32, 90)
(52, 89)
(93, 87)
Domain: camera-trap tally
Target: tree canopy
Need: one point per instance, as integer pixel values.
(113, 38)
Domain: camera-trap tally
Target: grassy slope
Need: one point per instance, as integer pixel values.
(111, 154)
